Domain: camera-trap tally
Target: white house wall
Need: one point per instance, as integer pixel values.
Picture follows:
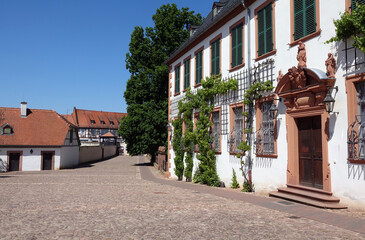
(32, 161)
(69, 156)
(347, 180)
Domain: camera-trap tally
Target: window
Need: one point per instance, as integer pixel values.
(216, 131)
(187, 73)
(92, 121)
(215, 55)
(102, 122)
(355, 87)
(71, 135)
(265, 30)
(7, 130)
(111, 123)
(236, 135)
(177, 79)
(198, 66)
(265, 141)
(237, 45)
(354, 3)
(305, 19)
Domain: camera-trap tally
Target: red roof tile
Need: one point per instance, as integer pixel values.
(107, 120)
(108, 135)
(39, 128)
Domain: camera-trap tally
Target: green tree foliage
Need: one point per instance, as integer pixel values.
(144, 129)
(351, 25)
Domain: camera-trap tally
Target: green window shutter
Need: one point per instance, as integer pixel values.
(305, 21)
(298, 19)
(310, 17)
(261, 32)
(268, 26)
(353, 3)
(234, 47)
(217, 63)
(236, 36)
(265, 30)
(187, 74)
(177, 79)
(239, 44)
(198, 67)
(215, 57)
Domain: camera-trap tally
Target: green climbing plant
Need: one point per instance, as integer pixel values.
(234, 183)
(351, 25)
(253, 93)
(176, 145)
(203, 101)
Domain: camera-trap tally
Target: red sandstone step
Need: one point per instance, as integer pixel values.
(309, 189)
(309, 194)
(308, 201)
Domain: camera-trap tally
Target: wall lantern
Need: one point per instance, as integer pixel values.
(31, 151)
(273, 111)
(329, 101)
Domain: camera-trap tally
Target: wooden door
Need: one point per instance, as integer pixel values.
(14, 161)
(47, 160)
(310, 152)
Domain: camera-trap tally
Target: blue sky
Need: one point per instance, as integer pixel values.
(60, 54)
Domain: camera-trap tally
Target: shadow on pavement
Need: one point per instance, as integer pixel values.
(143, 164)
(92, 163)
(5, 176)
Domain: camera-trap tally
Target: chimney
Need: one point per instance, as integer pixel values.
(23, 109)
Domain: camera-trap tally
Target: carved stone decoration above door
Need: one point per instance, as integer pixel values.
(303, 87)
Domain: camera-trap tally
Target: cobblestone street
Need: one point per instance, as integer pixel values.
(114, 199)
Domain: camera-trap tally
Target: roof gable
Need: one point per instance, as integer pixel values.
(39, 128)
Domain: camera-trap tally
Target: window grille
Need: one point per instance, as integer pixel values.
(355, 58)
(216, 131)
(236, 135)
(265, 140)
(356, 130)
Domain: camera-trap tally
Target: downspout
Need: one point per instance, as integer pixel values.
(249, 137)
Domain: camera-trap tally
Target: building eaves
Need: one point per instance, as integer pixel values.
(208, 23)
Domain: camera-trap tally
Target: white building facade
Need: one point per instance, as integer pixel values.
(302, 144)
(34, 140)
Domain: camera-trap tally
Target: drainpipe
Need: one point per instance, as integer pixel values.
(249, 155)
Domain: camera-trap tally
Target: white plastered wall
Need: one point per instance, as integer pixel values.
(32, 161)
(347, 179)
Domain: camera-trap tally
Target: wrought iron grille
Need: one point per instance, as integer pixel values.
(261, 72)
(236, 134)
(355, 58)
(356, 139)
(265, 141)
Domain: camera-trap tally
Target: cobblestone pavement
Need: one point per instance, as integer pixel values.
(110, 200)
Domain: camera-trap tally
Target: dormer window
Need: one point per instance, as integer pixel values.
(6, 130)
(217, 7)
(92, 121)
(102, 122)
(111, 123)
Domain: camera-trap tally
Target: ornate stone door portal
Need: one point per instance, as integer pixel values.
(303, 90)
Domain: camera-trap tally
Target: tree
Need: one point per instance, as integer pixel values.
(144, 129)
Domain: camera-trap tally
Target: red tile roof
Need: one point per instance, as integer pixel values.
(39, 128)
(82, 119)
(108, 135)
